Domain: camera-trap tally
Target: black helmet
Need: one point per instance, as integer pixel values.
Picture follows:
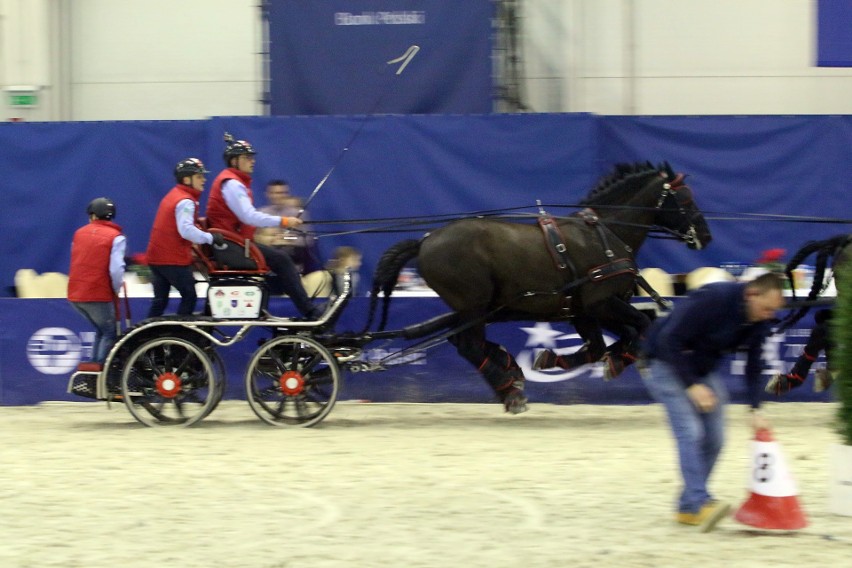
(189, 167)
(102, 208)
(234, 148)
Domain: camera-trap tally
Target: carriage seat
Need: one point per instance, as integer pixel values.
(235, 273)
(238, 256)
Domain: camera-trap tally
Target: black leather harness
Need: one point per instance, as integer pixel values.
(555, 243)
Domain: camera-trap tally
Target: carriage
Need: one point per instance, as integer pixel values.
(168, 371)
(579, 268)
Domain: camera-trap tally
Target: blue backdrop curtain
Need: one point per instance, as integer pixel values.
(420, 165)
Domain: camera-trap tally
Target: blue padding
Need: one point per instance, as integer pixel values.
(43, 340)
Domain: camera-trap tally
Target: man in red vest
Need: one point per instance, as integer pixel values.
(169, 253)
(231, 207)
(97, 272)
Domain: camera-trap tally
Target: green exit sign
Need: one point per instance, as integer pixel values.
(23, 99)
(22, 96)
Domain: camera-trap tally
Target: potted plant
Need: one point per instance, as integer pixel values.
(840, 494)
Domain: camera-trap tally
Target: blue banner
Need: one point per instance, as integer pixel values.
(743, 169)
(834, 42)
(740, 168)
(41, 342)
(331, 57)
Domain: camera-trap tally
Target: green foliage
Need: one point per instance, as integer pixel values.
(841, 330)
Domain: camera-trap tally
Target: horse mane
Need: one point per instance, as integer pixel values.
(625, 178)
(826, 250)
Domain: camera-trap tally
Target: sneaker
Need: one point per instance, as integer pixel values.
(822, 379)
(546, 359)
(707, 518)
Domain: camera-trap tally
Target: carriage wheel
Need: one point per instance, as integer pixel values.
(170, 381)
(292, 381)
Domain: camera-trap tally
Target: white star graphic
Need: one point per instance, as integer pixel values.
(542, 334)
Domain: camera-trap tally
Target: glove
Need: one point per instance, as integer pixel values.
(218, 240)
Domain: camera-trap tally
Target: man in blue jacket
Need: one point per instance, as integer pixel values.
(683, 351)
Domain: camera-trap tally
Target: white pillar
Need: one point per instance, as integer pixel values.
(25, 58)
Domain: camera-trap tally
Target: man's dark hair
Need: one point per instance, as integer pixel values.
(277, 182)
(767, 282)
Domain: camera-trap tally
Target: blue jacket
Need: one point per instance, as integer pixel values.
(704, 327)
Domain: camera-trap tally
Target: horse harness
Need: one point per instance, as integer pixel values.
(555, 243)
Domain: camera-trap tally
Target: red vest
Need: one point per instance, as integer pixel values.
(219, 215)
(88, 277)
(166, 246)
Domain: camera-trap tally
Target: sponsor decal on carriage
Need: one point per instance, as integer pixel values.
(235, 301)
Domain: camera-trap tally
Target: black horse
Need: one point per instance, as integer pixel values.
(491, 270)
(829, 253)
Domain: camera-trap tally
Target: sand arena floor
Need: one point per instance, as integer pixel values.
(391, 485)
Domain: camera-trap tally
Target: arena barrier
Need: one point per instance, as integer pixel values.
(43, 340)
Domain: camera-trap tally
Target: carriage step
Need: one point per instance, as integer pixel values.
(84, 383)
(346, 354)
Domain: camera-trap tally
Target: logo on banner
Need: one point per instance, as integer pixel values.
(772, 358)
(54, 350)
(406, 17)
(543, 336)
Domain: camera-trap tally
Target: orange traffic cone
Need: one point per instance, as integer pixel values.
(773, 503)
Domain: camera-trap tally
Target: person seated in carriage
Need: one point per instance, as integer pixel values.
(169, 253)
(231, 207)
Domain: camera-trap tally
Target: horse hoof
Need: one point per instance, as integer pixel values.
(612, 367)
(776, 384)
(545, 359)
(516, 402)
(822, 380)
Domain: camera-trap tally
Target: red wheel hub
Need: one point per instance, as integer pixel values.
(168, 385)
(291, 383)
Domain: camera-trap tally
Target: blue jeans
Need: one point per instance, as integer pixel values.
(699, 435)
(163, 277)
(102, 316)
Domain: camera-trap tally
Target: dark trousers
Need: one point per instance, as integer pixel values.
(285, 279)
(163, 277)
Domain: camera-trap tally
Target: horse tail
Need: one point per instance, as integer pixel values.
(826, 250)
(386, 275)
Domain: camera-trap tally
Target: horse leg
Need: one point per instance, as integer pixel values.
(495, 364)
(628, 323)
(591, 352)
(818, 340)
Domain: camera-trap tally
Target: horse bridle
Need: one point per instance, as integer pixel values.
(672, 189)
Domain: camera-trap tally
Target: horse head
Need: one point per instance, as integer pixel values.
(677, 212)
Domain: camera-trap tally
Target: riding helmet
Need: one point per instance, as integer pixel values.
(102, 208)
(234, 148)
(189, 167)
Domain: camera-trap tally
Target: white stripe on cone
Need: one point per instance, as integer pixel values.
(769, 474)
